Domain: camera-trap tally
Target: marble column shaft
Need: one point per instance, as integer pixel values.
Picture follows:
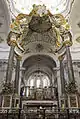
(62, 76)
(10, 65)
(51, 86)
(17, 72)
(69, 64)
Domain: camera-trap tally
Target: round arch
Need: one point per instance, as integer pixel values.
(41, 63)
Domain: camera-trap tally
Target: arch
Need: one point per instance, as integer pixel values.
(38, 63)
(47, 60)
(51, 55)
(37, 79)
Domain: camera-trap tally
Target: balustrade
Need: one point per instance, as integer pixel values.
(61, 114)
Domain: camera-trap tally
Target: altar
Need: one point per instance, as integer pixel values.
(34, 105)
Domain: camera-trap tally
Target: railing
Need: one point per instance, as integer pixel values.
(40, 114)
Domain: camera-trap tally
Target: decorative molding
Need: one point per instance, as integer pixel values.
(3, 60)
(39, 47)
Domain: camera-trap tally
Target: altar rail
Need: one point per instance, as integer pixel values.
(40, 114)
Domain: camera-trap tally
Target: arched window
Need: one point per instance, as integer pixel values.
(31, 82)
(38, 80)
(46, 81)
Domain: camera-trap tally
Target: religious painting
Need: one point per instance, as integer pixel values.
(39, 94)
(7, 101)
(32, 93)
(1, 98)
(47, 93)
(73, 100)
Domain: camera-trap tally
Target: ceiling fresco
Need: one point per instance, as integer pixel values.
(25, 6)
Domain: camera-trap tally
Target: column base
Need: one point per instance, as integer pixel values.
(15, 101)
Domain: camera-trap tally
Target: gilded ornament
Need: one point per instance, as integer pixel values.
(67, 42)
(40, 21)
(39, 10)
(13, 42)
(19, 57)
(61, 57)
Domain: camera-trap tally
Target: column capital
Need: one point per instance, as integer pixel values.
(12, 42)
(18, 57)
(67, 37)
(61, 57)
(11, 38)
(67, 43)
